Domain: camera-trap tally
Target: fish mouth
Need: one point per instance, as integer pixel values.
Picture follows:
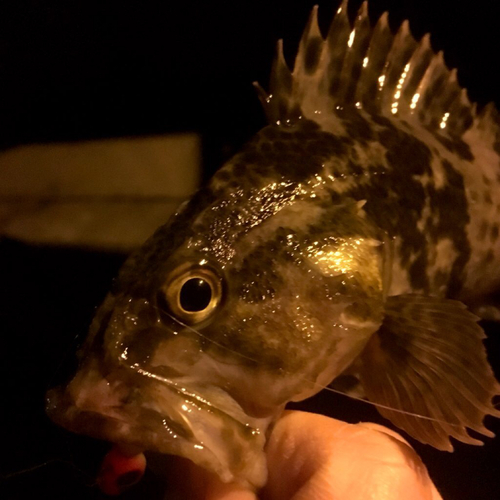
(201, 423)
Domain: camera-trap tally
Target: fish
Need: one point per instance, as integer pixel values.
(357, 234)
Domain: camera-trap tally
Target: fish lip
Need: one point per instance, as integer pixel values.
(64, 412)
(129, 424)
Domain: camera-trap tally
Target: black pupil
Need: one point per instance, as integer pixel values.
(195, 295)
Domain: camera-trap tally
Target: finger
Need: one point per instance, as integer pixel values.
(315, 457)
(184, 479)
(212, 488)
(216, 490)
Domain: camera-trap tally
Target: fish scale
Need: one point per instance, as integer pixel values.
(444, 123)
(428, 184)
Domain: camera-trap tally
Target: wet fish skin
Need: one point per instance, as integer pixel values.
(276, 336)
(336, 219)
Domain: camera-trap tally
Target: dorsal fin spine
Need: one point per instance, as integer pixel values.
(357, 45)
(311, 33)
(434, 77)
(281, 85)
(486, 123)
(418, 65)
(373, 63)
(461, 117)
(443, 100)
(309, 57)
(357, 66)
(402, 48)
(336, 41)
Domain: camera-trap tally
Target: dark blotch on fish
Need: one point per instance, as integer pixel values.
(496, 147)
(440, 279)
(398, 143)
(450, 205)
(150, 258)
(386, 188)
(281, 150)
(494, 233)
(457, 146)
(358, 128)
(483, 229)
(418, 276)
(312, 54)
(489, 257)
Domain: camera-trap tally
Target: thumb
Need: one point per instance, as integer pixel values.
(313, 457)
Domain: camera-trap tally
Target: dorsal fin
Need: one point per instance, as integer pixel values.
(367, 67)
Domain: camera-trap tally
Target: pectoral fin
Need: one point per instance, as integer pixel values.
(428, 359)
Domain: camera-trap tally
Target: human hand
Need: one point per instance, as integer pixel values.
(313, 457)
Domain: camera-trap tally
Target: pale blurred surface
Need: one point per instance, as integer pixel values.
(108, 194)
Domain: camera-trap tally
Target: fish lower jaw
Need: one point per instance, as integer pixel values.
(208, 437)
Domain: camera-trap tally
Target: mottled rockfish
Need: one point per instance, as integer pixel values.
(346, 237)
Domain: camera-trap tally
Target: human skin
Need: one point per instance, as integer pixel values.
(313, 457)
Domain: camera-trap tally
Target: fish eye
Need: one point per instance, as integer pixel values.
(193, 294)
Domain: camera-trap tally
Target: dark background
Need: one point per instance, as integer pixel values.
(82, 70)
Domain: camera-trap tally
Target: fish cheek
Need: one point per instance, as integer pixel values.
(133, 335)
(282, 345)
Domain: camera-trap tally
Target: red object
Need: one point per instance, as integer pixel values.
(119, 471)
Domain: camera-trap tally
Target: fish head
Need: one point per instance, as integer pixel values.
(250, 297)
